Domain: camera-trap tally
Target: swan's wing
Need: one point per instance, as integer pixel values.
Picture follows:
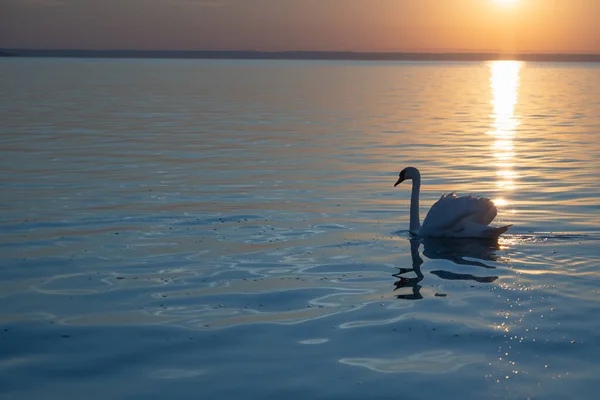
(468, 229)
(451, 211)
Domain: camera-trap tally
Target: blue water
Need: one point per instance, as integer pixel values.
(230, 229)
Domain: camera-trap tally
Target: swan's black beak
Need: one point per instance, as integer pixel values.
(400, 180)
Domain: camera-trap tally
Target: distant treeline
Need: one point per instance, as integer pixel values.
(300, 55)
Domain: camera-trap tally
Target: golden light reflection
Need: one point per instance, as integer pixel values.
(504, 82)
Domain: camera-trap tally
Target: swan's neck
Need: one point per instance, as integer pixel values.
(415, 223)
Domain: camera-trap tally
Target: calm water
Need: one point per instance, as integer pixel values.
(229, 229)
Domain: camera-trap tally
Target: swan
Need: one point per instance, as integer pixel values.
(451, 216)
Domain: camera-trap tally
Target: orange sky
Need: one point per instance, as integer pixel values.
(359, 25)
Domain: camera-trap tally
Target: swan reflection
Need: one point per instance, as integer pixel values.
(458, 251)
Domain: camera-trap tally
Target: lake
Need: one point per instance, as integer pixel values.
(230, 229)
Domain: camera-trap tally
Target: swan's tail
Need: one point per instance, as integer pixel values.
(495, 232)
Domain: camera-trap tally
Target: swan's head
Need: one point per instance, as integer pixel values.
(408, 173)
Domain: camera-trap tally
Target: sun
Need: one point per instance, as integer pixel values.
(505, 2)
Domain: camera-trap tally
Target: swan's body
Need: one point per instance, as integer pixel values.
(451, 216)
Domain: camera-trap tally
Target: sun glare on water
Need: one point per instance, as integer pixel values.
(504, 82)
(500, 202)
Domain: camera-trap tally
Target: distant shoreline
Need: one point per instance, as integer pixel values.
(300, 55)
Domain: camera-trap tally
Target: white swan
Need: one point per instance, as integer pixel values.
(451, 216)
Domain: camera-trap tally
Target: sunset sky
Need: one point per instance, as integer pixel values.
(568, 26)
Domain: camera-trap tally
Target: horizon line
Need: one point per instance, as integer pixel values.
(446, 55)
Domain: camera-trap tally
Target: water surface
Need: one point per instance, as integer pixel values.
(229, 229)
